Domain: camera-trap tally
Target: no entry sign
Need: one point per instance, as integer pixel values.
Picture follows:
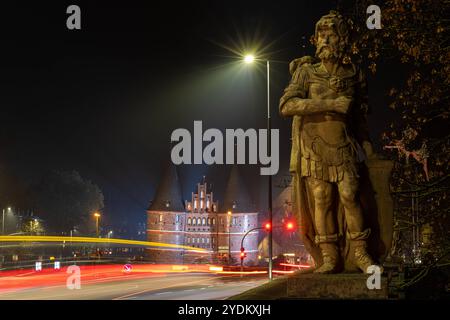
(127, 267)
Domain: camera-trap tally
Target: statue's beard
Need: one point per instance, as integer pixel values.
(326, 52)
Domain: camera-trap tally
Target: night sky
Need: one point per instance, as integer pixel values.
(104, 100)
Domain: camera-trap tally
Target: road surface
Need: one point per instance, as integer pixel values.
(178, 286)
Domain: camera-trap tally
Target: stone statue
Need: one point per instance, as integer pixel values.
(327, 99)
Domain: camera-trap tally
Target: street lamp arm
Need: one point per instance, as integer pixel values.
(243, 238)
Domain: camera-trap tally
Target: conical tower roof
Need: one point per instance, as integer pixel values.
(168, 195)
(237, 198)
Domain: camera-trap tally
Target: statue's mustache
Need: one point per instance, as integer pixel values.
(332, 51)
(325, 46)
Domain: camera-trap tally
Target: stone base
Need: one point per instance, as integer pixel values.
(333, 286)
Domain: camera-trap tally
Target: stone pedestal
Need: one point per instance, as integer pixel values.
(334, 286)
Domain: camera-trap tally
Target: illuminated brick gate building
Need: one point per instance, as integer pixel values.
(202, 223)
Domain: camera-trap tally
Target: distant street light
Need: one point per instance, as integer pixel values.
(97, 217)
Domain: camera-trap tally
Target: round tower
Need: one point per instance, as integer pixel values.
(166, 219)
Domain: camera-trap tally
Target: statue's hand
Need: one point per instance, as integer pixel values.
(342, 104)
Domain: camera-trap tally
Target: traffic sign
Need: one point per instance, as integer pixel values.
(127, 267)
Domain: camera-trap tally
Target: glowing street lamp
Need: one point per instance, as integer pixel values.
(97, 217)
(248, 59)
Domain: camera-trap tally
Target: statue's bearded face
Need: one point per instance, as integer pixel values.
(327, 44)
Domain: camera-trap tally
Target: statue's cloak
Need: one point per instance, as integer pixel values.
(374, 180)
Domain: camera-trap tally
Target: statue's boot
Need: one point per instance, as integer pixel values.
(330, 258)
(362, 258)
(359, 242)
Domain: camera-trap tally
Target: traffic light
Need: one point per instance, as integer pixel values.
(268, 226)
(290, 226)
(243, 254)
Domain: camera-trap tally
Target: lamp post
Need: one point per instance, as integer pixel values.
(250, 59)
(3, 223)
(97, 216)
(3, 220)
(229, 237)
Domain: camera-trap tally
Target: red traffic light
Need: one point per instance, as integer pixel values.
(290, 225)
(243, 254)
(268, 226)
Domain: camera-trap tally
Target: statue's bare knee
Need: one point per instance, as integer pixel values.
(348, 196)
(321, 192)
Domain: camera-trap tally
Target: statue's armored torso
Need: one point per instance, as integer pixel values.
(328, 149)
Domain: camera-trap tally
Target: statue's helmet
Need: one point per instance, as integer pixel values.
(335, 21)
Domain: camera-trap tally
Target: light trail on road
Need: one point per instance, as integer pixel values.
(112, 282)
(97, 240)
